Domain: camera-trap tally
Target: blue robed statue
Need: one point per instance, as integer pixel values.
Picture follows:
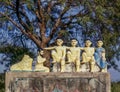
(100, 56)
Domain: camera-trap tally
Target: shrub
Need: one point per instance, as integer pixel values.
(115, 87)
(2, 82)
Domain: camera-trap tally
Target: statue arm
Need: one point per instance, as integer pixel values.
(66, 47)
(40, 59)
(103, 54)
(81, 48)
(49, 48)
(64, 53)
(93, 51)
(40, 62)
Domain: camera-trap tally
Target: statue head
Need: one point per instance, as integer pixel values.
(26, 56)
(41, 52)
(88, 43)
(59, 42)
(99, 43)
(74, 42)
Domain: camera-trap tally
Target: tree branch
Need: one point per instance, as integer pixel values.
(59, 20)
(27, 19)
(42, 20)
(14, 23)
(19, 18)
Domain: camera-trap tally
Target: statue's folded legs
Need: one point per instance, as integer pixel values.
(90, 59)
(88, 55)
(57, 58)
(74, 59)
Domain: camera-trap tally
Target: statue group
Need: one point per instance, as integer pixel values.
(78, 56)
(73, 58)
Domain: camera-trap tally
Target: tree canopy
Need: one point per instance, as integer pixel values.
(43, 20)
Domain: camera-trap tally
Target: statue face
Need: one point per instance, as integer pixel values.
(59, 42)
(41, 52)
(99, 43)
(88, 43)
(73, 42)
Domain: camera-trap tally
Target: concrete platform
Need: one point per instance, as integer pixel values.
(57, 82)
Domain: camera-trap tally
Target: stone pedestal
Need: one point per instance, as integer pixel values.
(57, 82)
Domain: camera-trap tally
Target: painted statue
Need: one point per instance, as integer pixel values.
(88, 55)
(100, 56)
(73, 54)
(40, 60)
(24, 65)
(58, 53)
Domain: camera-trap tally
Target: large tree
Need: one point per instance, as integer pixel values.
(46, 16)
(43, 20)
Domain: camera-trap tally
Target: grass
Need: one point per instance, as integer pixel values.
(115, 87)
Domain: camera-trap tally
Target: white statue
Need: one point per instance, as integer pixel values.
(58, 53)
(40, 60)
(88, 55)
(73, 54)
(24, 65)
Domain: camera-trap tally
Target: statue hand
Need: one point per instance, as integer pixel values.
(44, 48)
(103, 58)
(62, 58)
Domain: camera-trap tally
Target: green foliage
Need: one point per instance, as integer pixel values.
(63, 33)
(29, 4)
(16, 53)
(2, 83)
(115, 87)
(2, 19)
(102, 18)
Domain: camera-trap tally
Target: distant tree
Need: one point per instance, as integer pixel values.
(15, 53)
(44, 20)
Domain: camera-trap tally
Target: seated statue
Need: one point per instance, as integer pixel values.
(40, 60)
(100, 56)
(58, 53)
(88, 55)
(73, 54)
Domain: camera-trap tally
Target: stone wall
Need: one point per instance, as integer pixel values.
(57, 82)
